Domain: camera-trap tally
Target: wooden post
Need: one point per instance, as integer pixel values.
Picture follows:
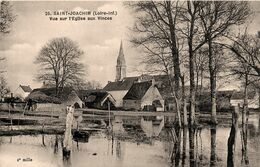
(109, 123)
(67, 142)
(10, 117)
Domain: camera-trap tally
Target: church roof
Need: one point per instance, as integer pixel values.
(124, 84)
(121, 57)
(138, 90)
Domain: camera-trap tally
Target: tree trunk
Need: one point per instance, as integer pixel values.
(184, 145)
(184, 105)
(232, 138)
(212, 84)
(192, 144)
(191, 63)
(245, 115)
(67, 143)
(201, 81)
(178, 118)
(213, 156)
(175, 57)
(258, 99)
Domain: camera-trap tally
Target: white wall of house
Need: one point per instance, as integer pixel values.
(132, 104)
(252, 103)
(50, 107)
(20, 93)
(118, 96)
(151, 95)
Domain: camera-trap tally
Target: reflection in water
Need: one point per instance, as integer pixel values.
(244, 135)
(43, 142)
(66, 161)
(56, 144)
(204, 147)
(152, 126)
(184, 141)
(213, 155)
(192, 144)
(232, 138)
(176, 152)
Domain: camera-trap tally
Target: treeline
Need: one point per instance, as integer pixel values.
(195, 41)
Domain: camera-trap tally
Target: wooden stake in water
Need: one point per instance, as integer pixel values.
(67, 143)
(109, 123)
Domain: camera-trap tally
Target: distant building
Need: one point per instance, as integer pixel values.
(238, 99)
(99, 100)
(143, 96)
(46, 99)
(22, 91)
(119, 89)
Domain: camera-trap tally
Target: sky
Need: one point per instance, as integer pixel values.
(100, 40)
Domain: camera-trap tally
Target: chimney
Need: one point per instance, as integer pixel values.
(258, 34)
(12, 95)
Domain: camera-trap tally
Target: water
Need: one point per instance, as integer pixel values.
(148, 144)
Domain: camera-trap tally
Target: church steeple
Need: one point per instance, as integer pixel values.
(121, 65)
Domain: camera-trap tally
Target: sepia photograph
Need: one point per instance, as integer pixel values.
(149, 83)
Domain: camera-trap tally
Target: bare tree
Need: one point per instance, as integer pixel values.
(246, 49)
(6, 17)
(217, 17)
(190, 29)
(60, 63)
(4, 89)
(87, 85)
(156, 29)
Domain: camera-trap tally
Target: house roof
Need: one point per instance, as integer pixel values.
(98, 97)
(125, 84)
(240, 95)
(40, 97)
(26, 88)
(138, 90)
(67, 94)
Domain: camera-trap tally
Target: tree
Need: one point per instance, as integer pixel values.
(217, 17)
(156, 29)
(190, 29)
(60, 63)
(246, 51)
(6, 17)
(88, 85)
(4, 89)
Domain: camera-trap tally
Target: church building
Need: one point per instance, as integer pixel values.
(122, 84)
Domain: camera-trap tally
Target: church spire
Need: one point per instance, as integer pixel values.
(121, 65)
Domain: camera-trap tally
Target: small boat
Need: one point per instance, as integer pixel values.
(27, 159)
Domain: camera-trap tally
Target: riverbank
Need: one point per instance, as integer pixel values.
(33, 123)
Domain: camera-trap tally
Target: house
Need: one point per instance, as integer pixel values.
(238, 99)
(143, 96)
(98, 99)
(22, 91)
(43, 102)
(46, 99)
(118, 89)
